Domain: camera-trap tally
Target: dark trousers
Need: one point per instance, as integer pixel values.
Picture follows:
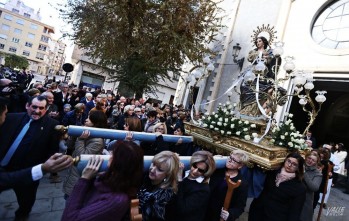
(26, 196)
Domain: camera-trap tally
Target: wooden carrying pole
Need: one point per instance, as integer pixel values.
(329, 170)
(231, 186)
(135, 216)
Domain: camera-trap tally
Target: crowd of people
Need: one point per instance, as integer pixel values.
(31, 147)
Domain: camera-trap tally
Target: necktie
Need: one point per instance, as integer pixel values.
(15, 144)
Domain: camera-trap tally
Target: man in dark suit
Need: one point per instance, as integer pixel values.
(39, 142)
(61, 98)
(55, 163)
(309, 136)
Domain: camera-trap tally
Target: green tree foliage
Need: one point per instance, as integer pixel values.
(140, 40)
(15, 61)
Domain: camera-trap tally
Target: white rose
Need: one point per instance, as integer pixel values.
(203, 118)
(286, 133)
(209, 118)
(246, 122)
(287, 123)
(219, 104)
(290, 144)
(219, 123)
(230, 106)
(301, 141)
(225, 124)
(220, 119)
(253, 125)
(225, 110)
(245, 129)
(207, 113)
(211, 126)
(292, 127)
(254, 135)
(213, 122)
(213, 113)
(229, 132)
(216, 129)
(232, 126)
(238, 133)
(290, 115)
(234, 104)
(226, 120)
(216, 115)
(277, 129)
(222, 131)
(240, 122)
(282, 137)
(227, 103)
(280, 143)
(247, 137)
(204, 125)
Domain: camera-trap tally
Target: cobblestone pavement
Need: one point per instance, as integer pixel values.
(49, 204)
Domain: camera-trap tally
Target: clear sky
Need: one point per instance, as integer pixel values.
(50, 16)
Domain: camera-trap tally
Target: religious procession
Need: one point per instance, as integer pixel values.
(244, 135)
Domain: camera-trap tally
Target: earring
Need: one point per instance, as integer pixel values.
(165, 179)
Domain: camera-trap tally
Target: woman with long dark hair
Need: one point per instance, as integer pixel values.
(283, 194)
(85, 145)
(107, 197)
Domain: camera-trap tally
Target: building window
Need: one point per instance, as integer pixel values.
(44, 38)
(40, 56)
(26, 53)
(31, 35)
(15, 40)
(2, 46)
(8, 17)
(331, 27)
(5, 27)
(175, 76)
(26, 15)
(17, 31)
(28, 44)
(42, 47)
(12, 49)
(33, 26)
(2, 36)
(15, 10)
(20, 21)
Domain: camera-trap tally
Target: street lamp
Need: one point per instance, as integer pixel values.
(236, 52)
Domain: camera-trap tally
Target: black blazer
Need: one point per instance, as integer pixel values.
(15, 178)
(44, 144)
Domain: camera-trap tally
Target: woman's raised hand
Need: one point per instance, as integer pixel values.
(85, 134)
(92, 167)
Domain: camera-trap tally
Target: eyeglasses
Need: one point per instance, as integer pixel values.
(293, 164)
(199, 169)
(231, 159)
(36, 107)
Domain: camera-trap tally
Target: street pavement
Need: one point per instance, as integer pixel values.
(50, 204)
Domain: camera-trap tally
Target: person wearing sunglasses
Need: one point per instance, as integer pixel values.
(218, 187)
(27, 139)
(283, 194)
(193, 190)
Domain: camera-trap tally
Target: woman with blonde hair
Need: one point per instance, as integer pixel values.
(193, 190)
(218, 187)
(159, 186)
(152, 148)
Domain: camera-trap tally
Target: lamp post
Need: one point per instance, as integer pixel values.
(199, 74)
(236, 52)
